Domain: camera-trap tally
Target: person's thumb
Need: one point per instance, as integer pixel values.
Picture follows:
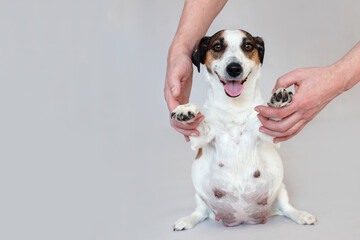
(174, 85)
(286, 81)
(175, 90)
(173, 93)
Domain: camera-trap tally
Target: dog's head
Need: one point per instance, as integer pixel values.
(231, 55)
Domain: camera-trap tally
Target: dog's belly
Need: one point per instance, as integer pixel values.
(236, 190)
(234, 208)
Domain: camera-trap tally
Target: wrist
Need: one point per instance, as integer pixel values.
(347, 68)
(336, 77)
(178, 50)
(182, 46)
(343, 73)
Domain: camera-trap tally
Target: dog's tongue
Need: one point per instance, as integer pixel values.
(233, 88)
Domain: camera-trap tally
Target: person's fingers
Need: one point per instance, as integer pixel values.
(280, 126)
(287, 80)
(193, 133)
(281, 139)
(271, 112)
(187, 139)
(293, 130)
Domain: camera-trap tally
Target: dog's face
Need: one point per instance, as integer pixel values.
(232, 56)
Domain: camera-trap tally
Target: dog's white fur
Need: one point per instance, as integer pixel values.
(233, 149)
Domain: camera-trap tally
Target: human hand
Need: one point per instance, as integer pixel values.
(314, 89)
(177, 90)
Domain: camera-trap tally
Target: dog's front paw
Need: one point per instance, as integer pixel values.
(185, 113)
(280, 98)
(305, 218)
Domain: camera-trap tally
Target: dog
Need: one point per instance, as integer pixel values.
(237, 174)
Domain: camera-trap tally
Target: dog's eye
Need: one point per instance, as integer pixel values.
(248, 46)
(217, 47)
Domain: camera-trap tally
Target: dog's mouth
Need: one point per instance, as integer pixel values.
(233, 88)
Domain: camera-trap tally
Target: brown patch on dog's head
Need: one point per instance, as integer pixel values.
(209, 49)
(216, 49)
(253, 47)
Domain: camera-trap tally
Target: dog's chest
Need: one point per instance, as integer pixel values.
(234, 139)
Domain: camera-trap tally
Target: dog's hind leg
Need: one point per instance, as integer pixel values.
(201, 213)
(283, 207)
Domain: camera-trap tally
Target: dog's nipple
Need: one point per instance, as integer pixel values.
(218, 193)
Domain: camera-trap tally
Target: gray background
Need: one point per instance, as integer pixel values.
(87, 151)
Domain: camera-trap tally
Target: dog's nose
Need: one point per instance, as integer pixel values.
(234, 69)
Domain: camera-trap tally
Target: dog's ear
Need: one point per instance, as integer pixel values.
(260, 47)
(200, 53)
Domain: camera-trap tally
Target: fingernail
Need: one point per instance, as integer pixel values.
(257, 109)
(276, 141)
(261, 129)
(174, 91)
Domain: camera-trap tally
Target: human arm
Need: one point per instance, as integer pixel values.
(315, 88)
(195, 20)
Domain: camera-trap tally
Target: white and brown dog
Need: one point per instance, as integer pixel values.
(238, 174)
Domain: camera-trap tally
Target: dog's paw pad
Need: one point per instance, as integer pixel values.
(183, 224)
(305, 218)
(185, 113)
(280, 98)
